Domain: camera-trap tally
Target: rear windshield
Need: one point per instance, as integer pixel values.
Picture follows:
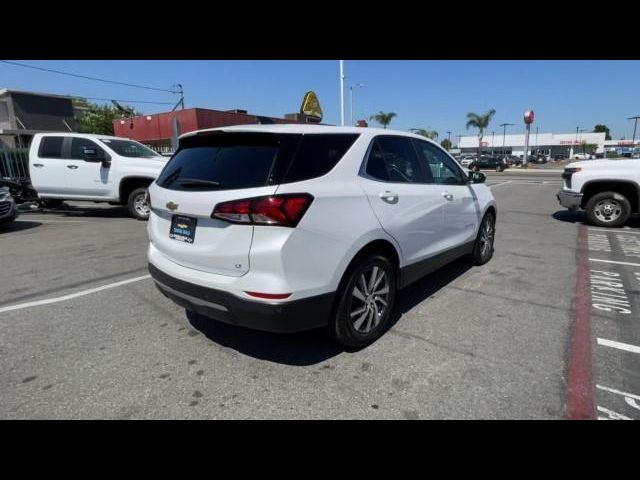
(227, 161)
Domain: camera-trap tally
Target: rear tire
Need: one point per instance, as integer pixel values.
(485, 240)
(137, 208)
(608, 209)
(365, 302)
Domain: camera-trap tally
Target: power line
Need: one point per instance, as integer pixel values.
(125, 101)
(86, 77)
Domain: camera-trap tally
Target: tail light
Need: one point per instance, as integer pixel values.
(284, 210)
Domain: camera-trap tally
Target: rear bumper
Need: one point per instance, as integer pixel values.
(287, 317)
(568, 199)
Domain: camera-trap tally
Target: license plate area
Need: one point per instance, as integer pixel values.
(183, 229)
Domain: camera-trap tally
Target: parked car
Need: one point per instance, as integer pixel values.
(560, 156)
(295, 227)
(607, 190)
(8, 208)
(486, 162)
(466, 161)
(582, 156)
(74, 166)
(538, 159)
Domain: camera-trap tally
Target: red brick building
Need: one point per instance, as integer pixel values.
(156, 130)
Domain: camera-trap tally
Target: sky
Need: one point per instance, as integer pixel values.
(423, 93)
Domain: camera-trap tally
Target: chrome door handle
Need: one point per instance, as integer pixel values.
(39, 165)
(72, 167)
(389, 197)
(447, 195)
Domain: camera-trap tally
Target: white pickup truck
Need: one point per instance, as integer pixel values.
(76, 166)
(607, 190)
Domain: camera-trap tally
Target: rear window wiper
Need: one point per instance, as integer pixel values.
(197, 182)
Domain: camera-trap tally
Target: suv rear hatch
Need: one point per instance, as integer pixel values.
(209, 169)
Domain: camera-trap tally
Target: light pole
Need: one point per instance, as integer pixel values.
(492, 137)
(504, 133)
(635, 126)
(580, 139)
(357, 85)
(342, 93)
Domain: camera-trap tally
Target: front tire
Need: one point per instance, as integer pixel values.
(365, 302)
(485, 240)
(608, 209)
(136, 204)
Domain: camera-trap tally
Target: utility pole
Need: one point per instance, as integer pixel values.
(635, 126)
(342, 93)
(357, 85)
(178, 90)
(504, 134)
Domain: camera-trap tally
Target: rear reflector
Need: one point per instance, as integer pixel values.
(270, 296)
(284, 210)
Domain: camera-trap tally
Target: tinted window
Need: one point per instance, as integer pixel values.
(317, 155)
(442, 168)
(393, 159)
(224, 162)
(51, 147)
(78, 145)
(128, 148)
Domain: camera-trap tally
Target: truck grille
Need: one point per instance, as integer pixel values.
(4, 208)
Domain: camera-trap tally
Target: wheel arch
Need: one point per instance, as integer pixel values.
(628, 188)
(129, 184)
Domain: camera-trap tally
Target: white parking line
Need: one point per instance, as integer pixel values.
(611, 414)
(619, 345)
(614, 261)
(615, 230)
(72, 295)
(613, 390)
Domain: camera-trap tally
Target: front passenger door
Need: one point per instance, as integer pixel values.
(461, 210)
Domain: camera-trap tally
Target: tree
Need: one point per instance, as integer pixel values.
(383, 118)
(481, 122)
(431, 134)
(98, 119)
(603, 128)
(446, 144)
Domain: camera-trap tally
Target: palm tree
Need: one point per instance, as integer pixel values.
(383, 118)
(431, 134)
(481, 122)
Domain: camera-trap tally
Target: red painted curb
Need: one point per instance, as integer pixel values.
(579, 382)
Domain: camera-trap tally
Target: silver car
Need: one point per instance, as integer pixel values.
(8, 208)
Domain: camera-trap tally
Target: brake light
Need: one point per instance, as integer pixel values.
(284, 210)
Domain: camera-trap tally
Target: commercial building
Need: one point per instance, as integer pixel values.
(157, 130)
(550, 144)
(23, 114)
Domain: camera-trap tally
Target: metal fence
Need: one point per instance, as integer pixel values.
(14, 164)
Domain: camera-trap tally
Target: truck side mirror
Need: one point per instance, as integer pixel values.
(96, 155)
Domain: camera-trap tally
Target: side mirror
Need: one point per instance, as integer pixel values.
(477, 177)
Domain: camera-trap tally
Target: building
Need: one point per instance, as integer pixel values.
(550, 144)
(23, 114)
(157, 130)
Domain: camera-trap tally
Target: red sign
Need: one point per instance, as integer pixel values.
(528, 117)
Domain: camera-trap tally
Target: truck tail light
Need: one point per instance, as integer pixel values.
(284, 210)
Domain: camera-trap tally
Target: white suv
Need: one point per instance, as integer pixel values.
(292, 227)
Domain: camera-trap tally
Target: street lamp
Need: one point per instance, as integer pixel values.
(504, 133)
(357, 85)
(635, 126)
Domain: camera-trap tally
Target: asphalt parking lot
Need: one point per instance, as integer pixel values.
(85, 334)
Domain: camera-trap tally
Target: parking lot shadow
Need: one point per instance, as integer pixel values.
(578, 217)
(17, 226)
(316, 346)
(90, 211)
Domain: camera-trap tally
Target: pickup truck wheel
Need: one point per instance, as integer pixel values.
(608, 209)
(137, 207)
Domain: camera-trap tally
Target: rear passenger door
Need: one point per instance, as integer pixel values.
(47, 167)
(407, 205)
(460, 209)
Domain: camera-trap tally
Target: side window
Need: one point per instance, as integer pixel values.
(51, 147)
(442, 168)
(79, 144)
(393, 159)
(318, 154)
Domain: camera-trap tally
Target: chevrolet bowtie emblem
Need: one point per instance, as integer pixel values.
(172, 206)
